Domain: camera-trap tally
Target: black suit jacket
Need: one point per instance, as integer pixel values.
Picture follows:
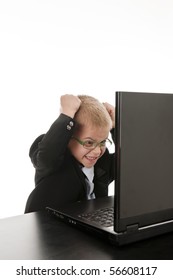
(58, 177)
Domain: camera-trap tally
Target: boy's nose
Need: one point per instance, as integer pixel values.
(97, 149)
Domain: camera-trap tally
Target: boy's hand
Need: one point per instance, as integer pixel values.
(69, 104)
(111, 111)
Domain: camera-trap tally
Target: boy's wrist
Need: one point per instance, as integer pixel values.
(68, 113)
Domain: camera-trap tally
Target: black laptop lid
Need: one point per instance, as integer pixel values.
(144, 157)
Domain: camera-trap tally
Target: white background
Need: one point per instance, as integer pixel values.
(52, 47)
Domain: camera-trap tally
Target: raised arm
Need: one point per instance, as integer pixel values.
(50, 151)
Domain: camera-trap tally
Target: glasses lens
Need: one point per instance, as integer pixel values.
(89, 144)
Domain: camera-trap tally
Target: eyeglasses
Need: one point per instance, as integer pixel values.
(91, 144)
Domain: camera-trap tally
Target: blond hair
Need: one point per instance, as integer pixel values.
(92, 112)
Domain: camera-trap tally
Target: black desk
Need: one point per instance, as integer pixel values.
(41, 236)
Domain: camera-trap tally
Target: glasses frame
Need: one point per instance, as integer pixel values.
(95, 143)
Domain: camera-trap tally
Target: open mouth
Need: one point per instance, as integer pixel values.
(91, 159)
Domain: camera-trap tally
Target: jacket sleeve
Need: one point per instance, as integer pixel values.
(48, 150)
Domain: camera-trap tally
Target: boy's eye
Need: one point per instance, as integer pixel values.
(89, 143)
(103, 143)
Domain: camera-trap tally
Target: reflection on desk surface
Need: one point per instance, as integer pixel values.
(41, 236)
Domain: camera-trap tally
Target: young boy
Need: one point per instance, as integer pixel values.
(72, 161)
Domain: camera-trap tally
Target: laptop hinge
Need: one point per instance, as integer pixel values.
(132, 228)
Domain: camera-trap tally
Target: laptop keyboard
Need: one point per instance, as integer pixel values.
(103, 217)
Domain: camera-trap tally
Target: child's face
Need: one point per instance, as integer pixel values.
(88, 157)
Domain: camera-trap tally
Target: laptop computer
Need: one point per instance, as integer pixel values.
(142, 206)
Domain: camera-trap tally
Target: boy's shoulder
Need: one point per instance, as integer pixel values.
(34, 145)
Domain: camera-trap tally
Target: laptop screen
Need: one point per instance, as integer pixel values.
(144, 145)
